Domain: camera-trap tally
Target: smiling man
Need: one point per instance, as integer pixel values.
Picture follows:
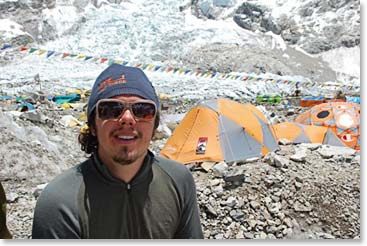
(123, 190)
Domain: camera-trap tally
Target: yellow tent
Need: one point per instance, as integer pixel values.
(220, 130)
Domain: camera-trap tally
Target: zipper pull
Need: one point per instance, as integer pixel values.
(128, 187)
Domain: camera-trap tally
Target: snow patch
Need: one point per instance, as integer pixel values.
(10, 29)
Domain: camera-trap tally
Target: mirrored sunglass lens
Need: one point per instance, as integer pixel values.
(110, 110)
(143, 110)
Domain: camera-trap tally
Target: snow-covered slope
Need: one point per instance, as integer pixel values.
(174, 33)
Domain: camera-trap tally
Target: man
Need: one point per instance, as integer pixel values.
(4, 232)
(339, 95)
(123, 190)
(297, 91)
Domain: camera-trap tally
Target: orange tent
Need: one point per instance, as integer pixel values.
(299, 133)
(343, 118)
(220, 130)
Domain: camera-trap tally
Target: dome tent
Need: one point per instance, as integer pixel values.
(220, 130)
(300, 133)
(343, 118)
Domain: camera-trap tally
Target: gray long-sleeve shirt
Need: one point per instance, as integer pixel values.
(88, 202)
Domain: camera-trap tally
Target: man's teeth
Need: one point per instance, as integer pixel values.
(126, 137)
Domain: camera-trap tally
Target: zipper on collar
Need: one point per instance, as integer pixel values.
(128, 186)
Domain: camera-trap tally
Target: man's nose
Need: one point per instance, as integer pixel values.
(127, 117)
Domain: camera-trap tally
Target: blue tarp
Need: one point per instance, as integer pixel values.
(353, 99)
(313, 98)
(5, 97)
(66, 98)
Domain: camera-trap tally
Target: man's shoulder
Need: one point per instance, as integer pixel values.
(178, 172)
(171, 165)
(65, 184)
(72, 173)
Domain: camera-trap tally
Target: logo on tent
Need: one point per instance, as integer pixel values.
(347, 138)
(201, 146)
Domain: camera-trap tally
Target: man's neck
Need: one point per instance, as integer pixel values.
(124, 172)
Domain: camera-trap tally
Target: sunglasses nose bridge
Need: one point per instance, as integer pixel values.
(126, 114)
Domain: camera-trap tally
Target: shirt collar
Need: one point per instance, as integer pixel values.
(144, 170)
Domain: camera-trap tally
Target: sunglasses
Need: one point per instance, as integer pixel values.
(109, 109)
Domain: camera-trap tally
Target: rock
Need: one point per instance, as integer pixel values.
(214, 182)
(280, 161)
(163, 131)
(207, 165)
(357, 159)
(220, 169)
(298, 185)
(37, 192)
(269, 158)
(235, 176)
(248, 235)
(299, 207)
(287, 232)
(239, 235)
(231, 201)
(237, 215)
(219, 236)
(255, 204)
(252, 223)
(328, 151)
(12, 197)
(288, 222)
(211, 210)
(324, 235)
(284, 141)
(262, 235)
(218, 190)
(299, 156)
(274, 208)
(33, 116)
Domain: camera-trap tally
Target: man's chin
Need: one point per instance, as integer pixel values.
(123, 161)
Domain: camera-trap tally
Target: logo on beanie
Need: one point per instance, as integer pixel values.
(111, 81)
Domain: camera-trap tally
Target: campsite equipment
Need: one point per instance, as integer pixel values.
(6, 98)
(69, 120)
(300, 133)
(66, 98)
(353, 99)
(220, 130)
(309, 101)
(25, 107)
(330, 88)
(83, 93)
(268, 98)
(19, 99)
(291, 100)
(343, 118)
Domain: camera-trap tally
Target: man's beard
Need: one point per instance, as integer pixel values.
(122, 159)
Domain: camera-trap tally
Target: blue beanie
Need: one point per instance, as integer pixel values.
(121, 80)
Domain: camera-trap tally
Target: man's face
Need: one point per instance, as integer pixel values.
(123, 140)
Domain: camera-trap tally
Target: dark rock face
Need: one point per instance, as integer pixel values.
(29, 16)
(249, 16)
(316, 26)
(253, 17)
